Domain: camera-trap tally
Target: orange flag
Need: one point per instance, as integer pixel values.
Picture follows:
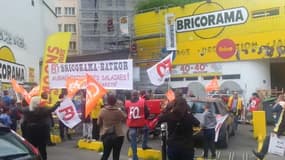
(213, 85)
(35, 91)
(170, 95)
(94, 91)
(20, 89)
(74, 84)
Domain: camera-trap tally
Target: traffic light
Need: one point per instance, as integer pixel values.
(110, 25)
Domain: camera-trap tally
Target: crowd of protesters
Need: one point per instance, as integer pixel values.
(107, 119)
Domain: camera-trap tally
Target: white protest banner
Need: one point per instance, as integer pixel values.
(67, 113)
(160, 71)
(220, 121)
(276, 145)
(170, 32)
(112, 74)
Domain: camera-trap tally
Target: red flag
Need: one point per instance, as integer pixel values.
(20, 89)
(74, 84)
(170, 95)
(94, 91)
(213, 85)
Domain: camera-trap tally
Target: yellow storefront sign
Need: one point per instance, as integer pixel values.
(215, 31)
(56, 51)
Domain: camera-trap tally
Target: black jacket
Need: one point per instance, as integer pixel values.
(180, 129)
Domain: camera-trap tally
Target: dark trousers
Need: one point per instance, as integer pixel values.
(95, 129)
(114, 144)
(175, 153)
(63, 130)
(37, 135)
(209, 141)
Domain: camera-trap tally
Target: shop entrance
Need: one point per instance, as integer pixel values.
(277, 70)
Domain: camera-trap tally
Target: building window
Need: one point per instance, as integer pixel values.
(210, 77)
(72, 45)
(191, 78)
(69, 11)
(58, 11)
(231, 76)
(70, 28)
(59, 27)
(109, 3)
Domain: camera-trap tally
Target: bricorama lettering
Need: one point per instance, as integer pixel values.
(243, 48)
(9, 71)
(211, 20)
(104, 66)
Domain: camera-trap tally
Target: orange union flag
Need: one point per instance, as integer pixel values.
(213, 85)
(20, 89)
(74, 84)
(170, 95)
(94, 91)
(55, 52)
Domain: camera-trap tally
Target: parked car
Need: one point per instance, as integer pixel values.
(15, 147)
(224, 118)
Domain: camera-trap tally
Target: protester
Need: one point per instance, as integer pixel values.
(94, 116)
(6, 98)
(137, 113)
(235, 106)
(254, 105)
(14, 114)
(208, 126)
(110, 121)
(86, 120)
(5, 119)
(277, 108)
(279, 130)
(36, 125)
(180, 122)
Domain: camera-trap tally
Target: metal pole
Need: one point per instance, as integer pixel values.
(163, 140)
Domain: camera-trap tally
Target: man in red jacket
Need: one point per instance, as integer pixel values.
(137, 113)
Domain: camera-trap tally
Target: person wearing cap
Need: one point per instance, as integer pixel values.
(279, 130)
(137, 113)
(235, 105)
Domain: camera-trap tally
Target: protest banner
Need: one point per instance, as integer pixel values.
(276, 145)
(55, 52)
(112, 74)
(67, 113)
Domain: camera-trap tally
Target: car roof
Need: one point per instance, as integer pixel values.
(204, 99)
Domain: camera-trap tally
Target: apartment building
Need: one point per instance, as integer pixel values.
(67, 21)
(100, 30)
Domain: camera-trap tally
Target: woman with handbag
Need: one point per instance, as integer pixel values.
(110, 120)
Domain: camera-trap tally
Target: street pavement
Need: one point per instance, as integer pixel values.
(240, 148)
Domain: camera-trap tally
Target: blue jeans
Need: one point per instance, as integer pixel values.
(133, 134)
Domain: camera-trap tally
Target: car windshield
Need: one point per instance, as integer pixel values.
(198, 107)
(11, 145)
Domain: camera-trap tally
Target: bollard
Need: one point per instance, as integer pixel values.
(163, 140)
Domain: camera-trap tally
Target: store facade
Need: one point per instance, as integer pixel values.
(25, 25)
(241, 42)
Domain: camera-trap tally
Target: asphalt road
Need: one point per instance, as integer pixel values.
(240, 148)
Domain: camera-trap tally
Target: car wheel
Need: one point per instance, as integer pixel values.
(225, 140)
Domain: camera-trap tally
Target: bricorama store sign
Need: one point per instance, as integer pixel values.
(222, 35)
(9, 71)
